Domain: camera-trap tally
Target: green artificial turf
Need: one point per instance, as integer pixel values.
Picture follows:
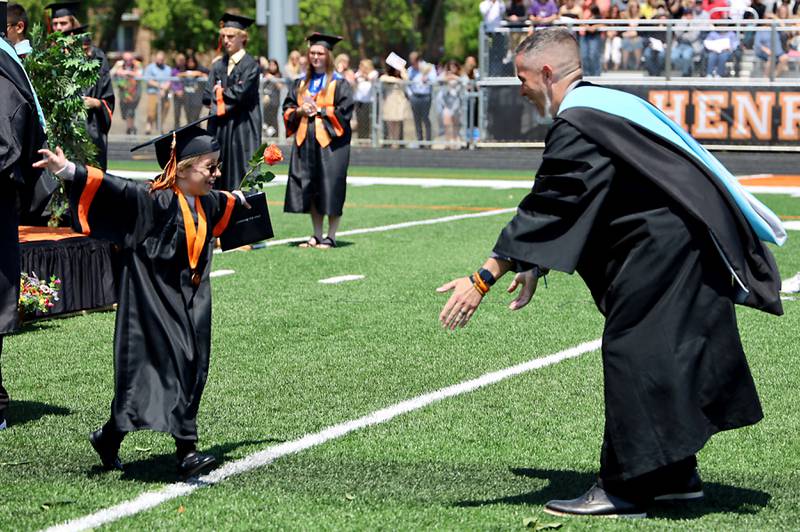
(291, 356)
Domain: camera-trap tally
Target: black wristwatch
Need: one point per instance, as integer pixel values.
(486, 276)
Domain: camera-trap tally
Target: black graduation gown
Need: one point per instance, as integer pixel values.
(674, 369)
(98, 121)
(239, 130)
(22, 188)
(318, 174)
(162, 337)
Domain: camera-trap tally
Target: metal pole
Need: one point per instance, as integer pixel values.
(483, 56)
(277, 31)
(668, 52)
(773, 47)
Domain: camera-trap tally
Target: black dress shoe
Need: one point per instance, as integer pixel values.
(109, 456)
(596, 502)
(687, 490)
(195, 463)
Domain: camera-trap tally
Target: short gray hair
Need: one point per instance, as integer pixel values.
(546, 39)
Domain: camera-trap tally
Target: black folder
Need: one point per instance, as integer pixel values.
(248, 226)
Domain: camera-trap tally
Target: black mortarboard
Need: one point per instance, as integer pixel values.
(328, 41)
(78, 31)
(64, 9)
(190, 140)
(239, 22)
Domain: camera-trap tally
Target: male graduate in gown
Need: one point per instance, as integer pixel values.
(99, 98)
(23, 190)
(233, 94)
(667, 243)
(162, 337)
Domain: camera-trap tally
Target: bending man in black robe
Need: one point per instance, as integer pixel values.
(233, 94)
(665, 252)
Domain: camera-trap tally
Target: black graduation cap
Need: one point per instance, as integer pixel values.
(328, 41)
(190, 140)
(78, 31)
(239, 22)
(64, 9)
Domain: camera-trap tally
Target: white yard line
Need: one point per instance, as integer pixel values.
(221, 273)
(341, 279)
(499, 184)
(151, 499)
(792, 225)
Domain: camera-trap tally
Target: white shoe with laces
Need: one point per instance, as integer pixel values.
(791, 285)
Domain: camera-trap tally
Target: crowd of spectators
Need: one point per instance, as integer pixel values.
(697, 49)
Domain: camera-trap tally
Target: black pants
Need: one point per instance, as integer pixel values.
(3, 393)
(421, 107)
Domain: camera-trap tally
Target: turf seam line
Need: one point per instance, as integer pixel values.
(262, 458)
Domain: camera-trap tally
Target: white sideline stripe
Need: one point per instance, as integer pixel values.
(341, 279)
(792, 225)
(221, 273)
(151, 499)
(425, 182)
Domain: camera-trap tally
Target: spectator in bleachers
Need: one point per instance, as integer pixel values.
(631, 40)
(719, 48)
(272, 83)
(791, 8)
(591, 43)
(179, 100)
(157, 75)
(762, 46)
(649, 8)
(759, 7)
(686, 46)
(364, 96)
(193, 78)
(395, 107)
(449, 101)
(126, 73)
(516, 16)
(717, 9)
(654, 51)
(612, 49)
(421, 78)
(570, 9)
(542, 12)
(342, 66)
(493, 13)
(293, 68)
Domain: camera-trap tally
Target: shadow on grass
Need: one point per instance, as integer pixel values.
(720, 498)
(21, 412)
(161, 468)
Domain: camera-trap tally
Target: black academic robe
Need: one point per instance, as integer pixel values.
(98, 121)
(618, 206)
(238, 130)
(162, 337)
(318, 175)
(22, 188)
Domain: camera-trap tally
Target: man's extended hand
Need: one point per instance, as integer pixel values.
(528, 280)
(461, 305)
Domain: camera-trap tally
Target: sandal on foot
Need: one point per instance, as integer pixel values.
(312, 242)
(327, 243)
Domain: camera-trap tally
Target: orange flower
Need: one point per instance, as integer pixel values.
(272, 154)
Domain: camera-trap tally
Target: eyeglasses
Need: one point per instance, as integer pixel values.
(212, 168)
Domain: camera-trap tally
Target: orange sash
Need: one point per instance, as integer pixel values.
(195, 236)
(94, 177)
(324, 100)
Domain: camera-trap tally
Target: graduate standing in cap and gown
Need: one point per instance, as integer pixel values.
(23, 190)
(162, 338)
(317, 111)
(233, 94)
(667, 242)
(99, 98)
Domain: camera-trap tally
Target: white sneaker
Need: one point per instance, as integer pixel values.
(3, 425)
(791, 285)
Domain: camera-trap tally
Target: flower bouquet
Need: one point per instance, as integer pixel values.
(259, 174)
(36, 295)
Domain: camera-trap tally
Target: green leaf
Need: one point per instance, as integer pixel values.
(530, 522)
(50, 504)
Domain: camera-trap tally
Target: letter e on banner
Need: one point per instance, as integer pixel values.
(708, 122)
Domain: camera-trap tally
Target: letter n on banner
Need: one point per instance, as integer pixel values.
(752, 116)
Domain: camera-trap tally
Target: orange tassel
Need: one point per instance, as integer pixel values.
(168, 176)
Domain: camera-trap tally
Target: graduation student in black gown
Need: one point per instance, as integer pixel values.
(23, 190)
(162, 337)
(665, 252)
(317, 111)
(233, 94)
(99, 98)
